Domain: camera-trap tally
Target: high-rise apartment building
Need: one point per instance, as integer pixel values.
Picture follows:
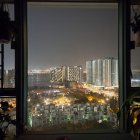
(98, 74)
(135, 80)
(67, 74)
(89, 72)
(74, 73)
(38, 78)
(57, 75)
(110, 72)
(9, 78)
(114, 72)
(102, 72)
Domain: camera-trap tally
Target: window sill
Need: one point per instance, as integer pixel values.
(108, 136)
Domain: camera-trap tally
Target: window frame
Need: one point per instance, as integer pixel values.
(21, 55)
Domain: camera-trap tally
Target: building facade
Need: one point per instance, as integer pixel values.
(57, 75)
(135, 80)
(102, 72)
(67, 74)
(38, 78)
(9, 78)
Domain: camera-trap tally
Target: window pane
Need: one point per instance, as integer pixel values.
(8, 116)
(8, 55)
(73, 67)
(135, 57)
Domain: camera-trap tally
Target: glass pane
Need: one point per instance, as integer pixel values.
(8, 117)
(73, 67)
(9, 54)
(135, 52)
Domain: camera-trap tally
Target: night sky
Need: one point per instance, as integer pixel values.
(71, 36)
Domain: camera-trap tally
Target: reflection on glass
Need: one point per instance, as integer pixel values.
(73, 68)
(8, 78)
(8, 56)
(135, 80)
(8, 117)
(135, 57)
